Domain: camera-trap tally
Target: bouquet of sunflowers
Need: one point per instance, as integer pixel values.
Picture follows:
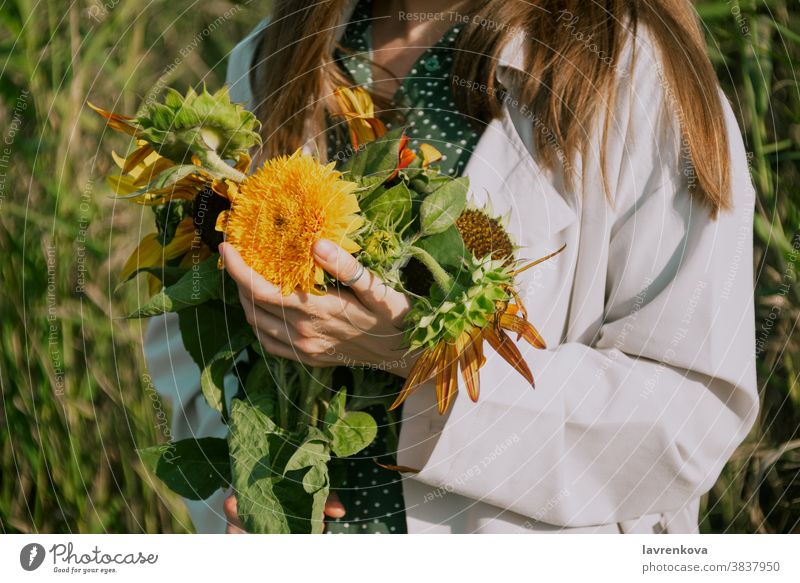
(387, 205)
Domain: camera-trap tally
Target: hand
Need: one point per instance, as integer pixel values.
(356, 326)
(333, 509)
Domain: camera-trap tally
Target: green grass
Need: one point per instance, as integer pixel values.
(757, 57)
(67, 453)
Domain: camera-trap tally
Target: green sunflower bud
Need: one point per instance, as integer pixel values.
(470, 304)
(198, 124)
(380, 248)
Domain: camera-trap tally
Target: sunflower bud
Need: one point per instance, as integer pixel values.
(197, 124)
(380, 247)
(469, 305)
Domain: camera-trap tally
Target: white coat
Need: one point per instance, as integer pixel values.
(648, 383)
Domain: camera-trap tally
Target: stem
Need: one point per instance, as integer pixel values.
(440, 276)
(212, 161)
(283, 397)
(317, 379)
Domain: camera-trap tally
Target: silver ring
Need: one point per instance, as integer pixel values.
(359, 272)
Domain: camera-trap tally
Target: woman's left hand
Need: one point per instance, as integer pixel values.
(356, 326)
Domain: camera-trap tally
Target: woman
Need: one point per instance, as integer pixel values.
(595, 125)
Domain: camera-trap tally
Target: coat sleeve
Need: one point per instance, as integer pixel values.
(642, 419)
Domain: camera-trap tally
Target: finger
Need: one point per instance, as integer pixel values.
(369, 288)
(333, 506)
(235, 525)
(252, 286)
(340, 264)
(278, 348)
(254, 290)
(268, 324)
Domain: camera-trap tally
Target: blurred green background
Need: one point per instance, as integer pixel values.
(75, 399)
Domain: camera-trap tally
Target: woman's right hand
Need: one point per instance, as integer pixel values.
(333, 509)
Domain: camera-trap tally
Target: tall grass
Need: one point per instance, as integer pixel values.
(756, 48)
(75, 403)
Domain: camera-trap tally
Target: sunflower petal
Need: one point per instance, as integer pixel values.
(540, 260)
(420, 373)
(115, 121)
(506, 348)
(471, 359)
(153, 284)
(121, 185)
(243, 163)
(524, 329)
(149, 170)
(406, 158)
(137, 157)
(378, 129)
(402, 469)
(147, 254)
(222, 221)
(517, 306)
(429, 154)
(185, 235)
(447, 379)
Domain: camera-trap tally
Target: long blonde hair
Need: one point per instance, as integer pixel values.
(294, 73)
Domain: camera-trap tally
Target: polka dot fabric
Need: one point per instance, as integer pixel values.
(371, 495)
(424, 98)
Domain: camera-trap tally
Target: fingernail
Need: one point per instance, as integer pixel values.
(325, 249)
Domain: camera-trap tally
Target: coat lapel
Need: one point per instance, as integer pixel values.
(503, 173)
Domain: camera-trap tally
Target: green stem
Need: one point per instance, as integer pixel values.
(440, 276)
(283, 397)
(316, 380)
(213, 162)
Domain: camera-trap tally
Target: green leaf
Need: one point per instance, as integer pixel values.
(168, 274)
(447, 247)
(335, 410)
(316, 480)
(390, 207)
(167, 178)
(198, 285)
(212, 376)
(193, 468)
(441, 208)
(313, 451)
(168, 216)
(435, 180)
(378, 159)
(260, 382)
(205, 329)
(277, 492)
(352, 433)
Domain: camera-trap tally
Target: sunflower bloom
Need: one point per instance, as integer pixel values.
(487, 308)
(280, 211)
(444, 360)
(358, 110)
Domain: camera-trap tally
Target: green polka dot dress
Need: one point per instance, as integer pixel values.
(371, 495)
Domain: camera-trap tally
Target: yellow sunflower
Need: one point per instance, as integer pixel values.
(195, 238)
(141, 180)
(281, 210)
